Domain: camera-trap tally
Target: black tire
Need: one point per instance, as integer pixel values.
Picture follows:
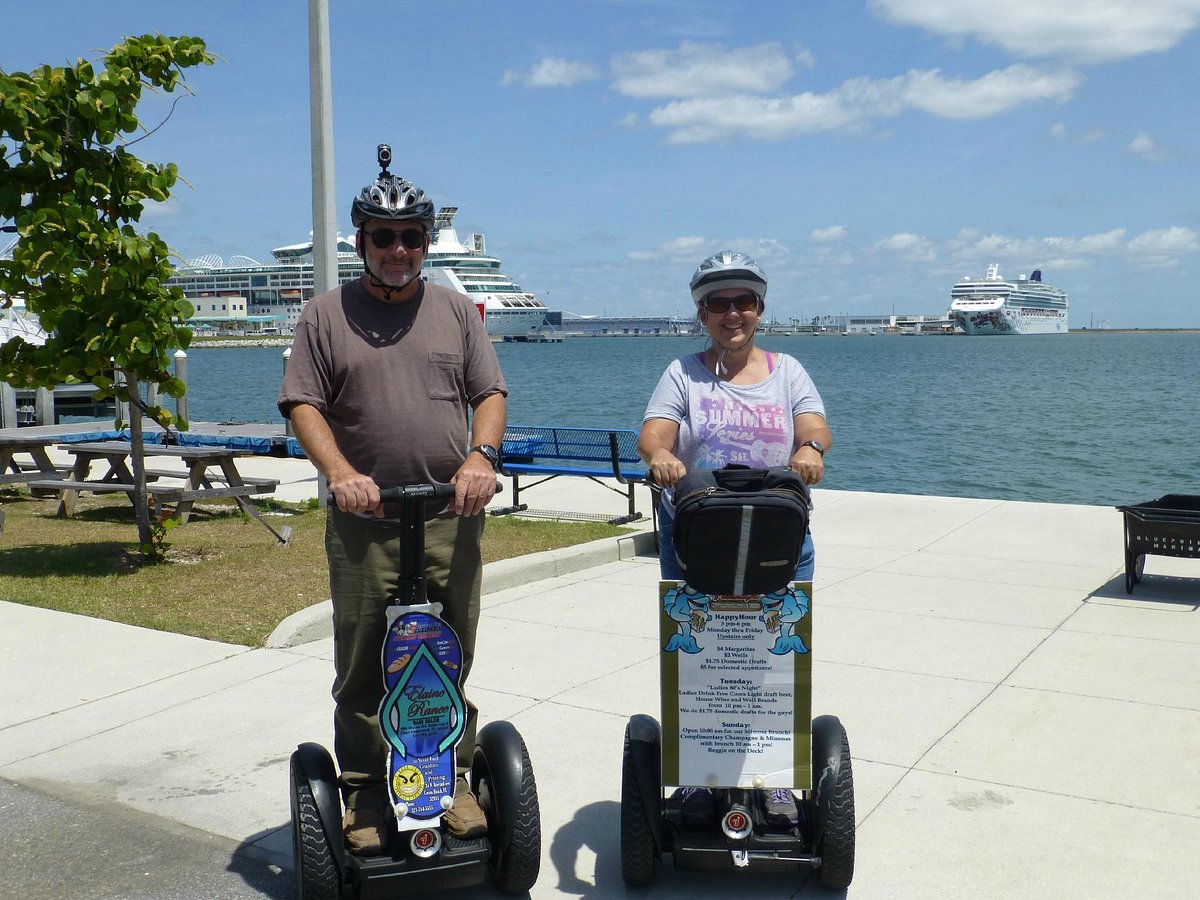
(516, 864)
(317, 875)
(836, 847)
(1139, 567)
(638, 857)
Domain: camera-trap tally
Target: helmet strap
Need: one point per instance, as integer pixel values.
(720, 368)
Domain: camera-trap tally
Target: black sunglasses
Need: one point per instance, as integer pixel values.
(411, 238)
(721, 305)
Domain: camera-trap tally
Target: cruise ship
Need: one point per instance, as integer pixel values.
(997, 305)
(276, 292)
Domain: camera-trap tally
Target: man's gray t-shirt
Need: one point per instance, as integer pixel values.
(722, 423)
(394, 380)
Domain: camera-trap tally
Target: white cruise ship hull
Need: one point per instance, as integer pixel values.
(1002, 319)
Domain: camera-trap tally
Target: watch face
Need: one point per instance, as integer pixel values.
(816, 445)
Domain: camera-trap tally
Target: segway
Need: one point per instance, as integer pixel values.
(422, 717)
(736, 699)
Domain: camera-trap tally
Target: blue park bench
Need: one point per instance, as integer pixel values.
(593, 453)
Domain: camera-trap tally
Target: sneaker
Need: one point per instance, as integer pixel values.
(465, 819)
(697, 807)
(363, 831)
(780, 806)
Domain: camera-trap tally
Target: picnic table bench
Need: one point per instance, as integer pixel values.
(36, 467)
(552, 451)
(211, 474)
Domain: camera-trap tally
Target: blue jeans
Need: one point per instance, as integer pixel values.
(668, 564)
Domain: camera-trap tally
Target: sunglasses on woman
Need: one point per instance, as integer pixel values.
(411, 238)
(720, 305)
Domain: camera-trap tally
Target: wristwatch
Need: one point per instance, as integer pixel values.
(816, 445)
(489, 453)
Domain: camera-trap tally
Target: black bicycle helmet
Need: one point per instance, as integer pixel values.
(391, 197)
(728, 269)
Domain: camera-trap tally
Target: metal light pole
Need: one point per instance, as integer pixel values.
(325, 270)
(325, 273)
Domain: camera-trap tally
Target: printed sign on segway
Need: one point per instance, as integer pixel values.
(422, 715)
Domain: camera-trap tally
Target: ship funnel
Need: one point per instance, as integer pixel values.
(1036, 276)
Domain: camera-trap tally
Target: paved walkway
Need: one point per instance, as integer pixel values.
(1020, 727)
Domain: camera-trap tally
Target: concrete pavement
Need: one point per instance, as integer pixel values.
(1020, 727)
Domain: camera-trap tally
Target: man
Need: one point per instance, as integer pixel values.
(386, 376)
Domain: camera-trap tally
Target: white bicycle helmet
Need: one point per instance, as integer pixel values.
(728, 269)
(391, 197)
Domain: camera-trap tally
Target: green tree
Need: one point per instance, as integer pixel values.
(71, 190)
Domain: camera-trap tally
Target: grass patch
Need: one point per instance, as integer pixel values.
(224, 579)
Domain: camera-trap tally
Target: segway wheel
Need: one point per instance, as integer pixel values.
(638, 857)
(835, 802)
(503, 780)
(317, 875)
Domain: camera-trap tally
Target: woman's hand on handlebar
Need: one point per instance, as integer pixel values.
(666, 469)
(356, 493)
(474, 485)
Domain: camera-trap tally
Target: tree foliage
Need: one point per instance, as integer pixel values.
(72, 190)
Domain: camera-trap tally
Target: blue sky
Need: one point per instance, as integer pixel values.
(868, 153)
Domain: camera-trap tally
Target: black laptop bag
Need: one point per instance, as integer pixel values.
(740, 530)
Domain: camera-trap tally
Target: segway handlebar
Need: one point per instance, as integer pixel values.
(409, 493)
(405, 492)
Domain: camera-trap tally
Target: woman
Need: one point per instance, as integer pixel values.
(733, 402)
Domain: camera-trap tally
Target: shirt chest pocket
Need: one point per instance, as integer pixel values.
(445, 376)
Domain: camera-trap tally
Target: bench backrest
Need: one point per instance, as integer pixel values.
(530, 442)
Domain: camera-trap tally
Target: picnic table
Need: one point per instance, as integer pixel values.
(211, 474)
(37, 466)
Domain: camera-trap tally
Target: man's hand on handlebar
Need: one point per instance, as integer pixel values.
(474, 485)
(356, 493)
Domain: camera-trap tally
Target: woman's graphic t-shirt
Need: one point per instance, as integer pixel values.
(722, 423)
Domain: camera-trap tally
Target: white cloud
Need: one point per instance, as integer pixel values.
(1096, 31)
(761, 118)
(759, 249)
(701, 70)
(855, 104)
(168, 209)
(995, 92)
(678, 249)
(1101, 244)
(1059, 131)
(1145, 147)
(552, 71)
(827, 235)
(1157, 248)
(910, 246)
(1161, 248)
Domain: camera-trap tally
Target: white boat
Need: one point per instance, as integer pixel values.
(17, 322)
(276, 292)
(1008, 306)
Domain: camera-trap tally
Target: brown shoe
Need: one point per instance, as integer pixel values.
(363, 831)
(465, 819)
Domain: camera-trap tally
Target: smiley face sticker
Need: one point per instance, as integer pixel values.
(408, 782)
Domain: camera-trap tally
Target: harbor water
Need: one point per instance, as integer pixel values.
(1087, 418)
